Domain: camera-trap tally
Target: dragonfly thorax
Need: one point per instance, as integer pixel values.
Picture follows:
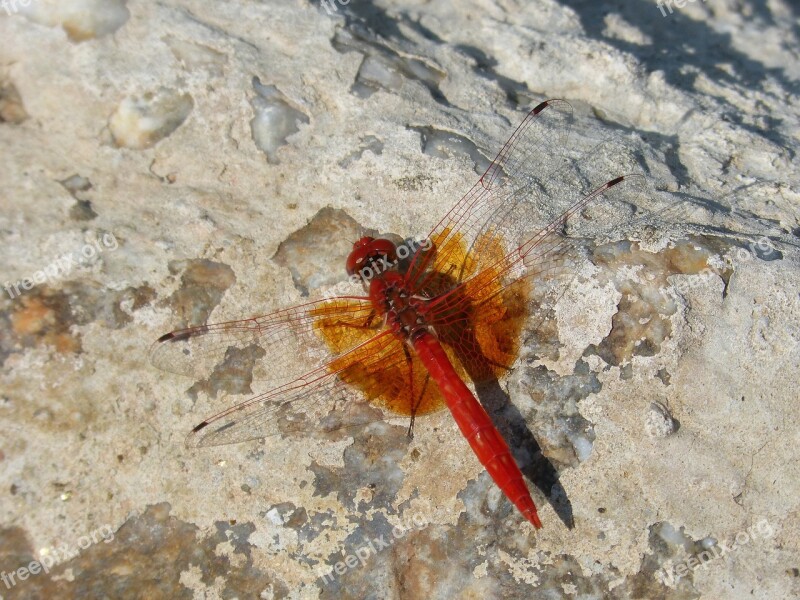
(401, 309)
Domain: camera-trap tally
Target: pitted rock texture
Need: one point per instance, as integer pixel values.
(235, 150)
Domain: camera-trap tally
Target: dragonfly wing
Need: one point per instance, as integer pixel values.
(532, 230)
(278, 347)
(550, 255)
(481, 319)
(536, 146)
(371, 382)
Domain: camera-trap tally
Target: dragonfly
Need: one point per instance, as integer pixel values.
(430, 315)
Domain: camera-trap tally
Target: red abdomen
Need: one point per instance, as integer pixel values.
(475, 424)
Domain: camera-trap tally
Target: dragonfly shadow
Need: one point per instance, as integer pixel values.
(535, 466)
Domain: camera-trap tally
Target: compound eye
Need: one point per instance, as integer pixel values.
(356, 260)
(385, 249)
(366, 251)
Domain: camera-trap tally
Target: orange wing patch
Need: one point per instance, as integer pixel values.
(387, 377)
(480, 322)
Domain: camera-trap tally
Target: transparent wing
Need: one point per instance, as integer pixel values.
(371, 382)
(532, 207)
(549, 256)
(482, 318)
(278, 347)
(536, 146)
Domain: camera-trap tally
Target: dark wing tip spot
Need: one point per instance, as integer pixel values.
(540, 107)
(615, 181)
(200, 426)
(176, 336)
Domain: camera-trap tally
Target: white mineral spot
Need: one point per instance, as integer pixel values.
(274, 120)
(274, 516)
(582, 446)
(481, 570)
(377, 71)
(708, 542)
(81, 19)
(140, 122)
(674, 537)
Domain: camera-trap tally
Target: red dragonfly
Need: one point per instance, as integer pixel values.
(438, 312)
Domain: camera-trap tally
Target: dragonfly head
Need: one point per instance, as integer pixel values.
(373, 254)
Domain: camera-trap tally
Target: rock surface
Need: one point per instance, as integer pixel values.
(176, 162)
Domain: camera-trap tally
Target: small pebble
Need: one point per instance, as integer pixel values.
(659, 421)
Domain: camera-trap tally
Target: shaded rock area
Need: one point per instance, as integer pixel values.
(313, 253)
(77, 185)
(202, 285)
(11, 108)
(172, 557)
(443, 144)
(187, 162)
(383, 67)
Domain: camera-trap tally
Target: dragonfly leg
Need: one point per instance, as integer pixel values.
(494, 363)
(416, 399)
(416, 404)
(410, 364)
